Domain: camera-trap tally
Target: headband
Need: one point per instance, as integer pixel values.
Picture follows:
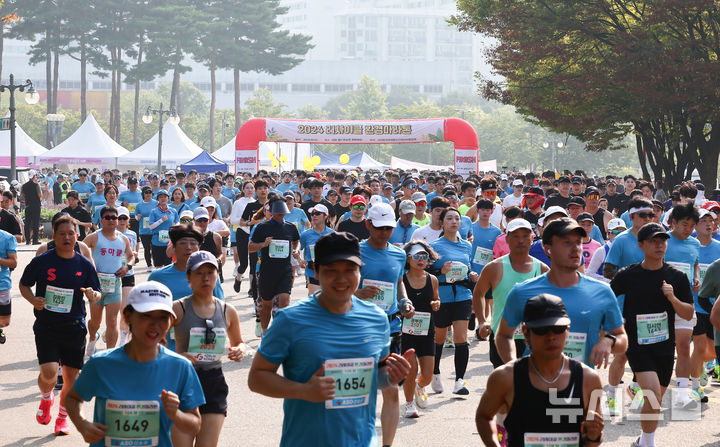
(637, 210)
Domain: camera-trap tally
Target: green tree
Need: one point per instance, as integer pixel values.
(262, 104)
(370, 102)
(311, 112)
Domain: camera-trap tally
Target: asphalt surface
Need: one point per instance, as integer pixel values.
(255, 420)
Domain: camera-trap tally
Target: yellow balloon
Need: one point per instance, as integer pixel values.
(275, 164)
(344, 158)
(307, 164)
(271, 155)
(283, 159)
(316, 160)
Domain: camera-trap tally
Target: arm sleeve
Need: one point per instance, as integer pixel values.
(597, 260)
(275, 345)
(613, 256)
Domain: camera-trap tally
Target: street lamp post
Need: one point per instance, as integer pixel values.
(148, 118)
(31, 97)
(554, 144)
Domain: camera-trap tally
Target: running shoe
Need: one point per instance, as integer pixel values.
(236, 284)
(421, 398)
(410, 410)
(258, 330)
(461, 388)
(686, 403)
(43, 415)
(61, 427)
(478, 336)
(635, 443)
(613, 407)
(449, 343)
(436, 384)
(3, 337)
(716, 372)
(710, 366)
(90, 350)
(502, 436)
(703, 378)
(634, 391)
(698, 394)
(59, 382)
(149, 269)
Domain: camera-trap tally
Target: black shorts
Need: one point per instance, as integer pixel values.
(6, 309)
(449, 312)
(61, 343)
(159, 255)
(495, 358)
(233, 244)
(313, 281)
(395, 340)
(703, 325)
(424, 345)
(272, 284)
(215, 389)
(646, 361)
(128, 281)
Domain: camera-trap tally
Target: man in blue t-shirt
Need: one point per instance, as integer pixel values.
(8, 260)
(62, 279)
(402, 234)
(591, 304)
(334, 349)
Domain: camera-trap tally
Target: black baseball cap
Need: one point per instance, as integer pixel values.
(345, 190)
(585, 216)
(545, 310)
(577, 180)
(651, 230)
(576, 200)
(132, 180)
(561, 227)
(591, 190)
(338, 246)
(563, 178)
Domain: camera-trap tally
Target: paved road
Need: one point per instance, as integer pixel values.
(255, 420)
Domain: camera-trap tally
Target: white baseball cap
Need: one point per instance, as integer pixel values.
(503, 177)
(703, 212)
(149, 296)
(188, 213)
(517, 182)
(556, 209)
(517, 224)
(208, 201)
(616, 223)
(375, 200)
(122, 211)
(407, 207)
(201, 212)
(382, 215)
(319, 208)
(32, 173)
(418, 197)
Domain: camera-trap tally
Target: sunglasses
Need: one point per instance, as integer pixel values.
(317, 213)
(110, 217)
(421, 203)
(545, 329)
(185, 220)
(645, 215)
(358, 207)
(147, 192)
(82, 175)
(123, 218)
(616, 232)
(411, 186)
(420, 256)
(489, 193)
(593, 196)
(384, 228)
(202, 220)
(209, 332)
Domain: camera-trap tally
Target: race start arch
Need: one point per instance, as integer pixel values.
(432, 130)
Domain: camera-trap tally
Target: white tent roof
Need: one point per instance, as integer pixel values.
(227, 152)
(24, 145)
(399, 163)
(177, 148)
(89, 144)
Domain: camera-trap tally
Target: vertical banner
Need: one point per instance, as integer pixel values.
(466, 161)
(246, 161)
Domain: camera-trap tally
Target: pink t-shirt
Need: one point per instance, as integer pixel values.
(588, 250)
(501, 247)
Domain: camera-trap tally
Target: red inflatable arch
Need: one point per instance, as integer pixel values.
(432, 130)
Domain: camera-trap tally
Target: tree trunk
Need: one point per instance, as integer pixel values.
(238, 109)
(111, 119)
(56, 80)
(118, 87)
(48, 86)
(137, 100)
(2, 44)
(175, 89)
(212, 103)
(178, 110)
(83, 82)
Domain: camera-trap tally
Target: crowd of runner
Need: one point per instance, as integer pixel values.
(562, 274)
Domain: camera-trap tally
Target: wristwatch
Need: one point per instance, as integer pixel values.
(611, 337)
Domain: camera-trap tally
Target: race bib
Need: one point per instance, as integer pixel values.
(384, 299)
(552, 439)
(132, 422)
(312, 252)
(353, 381)
(518, 333)
(575, 346)
(146, 223)
(482, 256)
(419, 324)
(234, 228)
(108, 282)
(131, 207)
(685, 268)
(84, 196)
(279, 249)
(58, 299)
(207, 352)
(652, 328)
(703, 270)
(457, 272)
(164, 236)
(5, 297)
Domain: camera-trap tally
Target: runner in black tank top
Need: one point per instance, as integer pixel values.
(599, 218)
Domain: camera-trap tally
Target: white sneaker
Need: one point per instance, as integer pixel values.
(149, 269)
(410, 410)
(461, 388)
(90, 350)
(685, 403)
(436, 384)
(421, 398)
(449, 343)
(258, 330)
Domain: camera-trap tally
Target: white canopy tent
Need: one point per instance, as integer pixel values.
(89, 145)
(26, 149)
(400, 163)
(177, 148)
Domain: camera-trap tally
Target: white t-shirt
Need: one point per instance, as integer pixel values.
(511, 200)
(426, 234)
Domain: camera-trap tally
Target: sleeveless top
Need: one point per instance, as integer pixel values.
(191, 332)
(208, 243)
(599, 218)
(509, 278)
(51, 245)
(109, 255)
(420, 297)
(532, 411)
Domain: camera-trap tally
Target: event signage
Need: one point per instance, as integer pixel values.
(4, 123)
(466, 161)
(246, 161)
(355, 132)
